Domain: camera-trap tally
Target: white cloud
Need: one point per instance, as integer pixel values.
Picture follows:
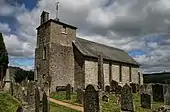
(119, 23)
(4, 28)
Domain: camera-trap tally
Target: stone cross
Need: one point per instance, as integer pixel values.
(113, 85)
(146, 100)
(91, 99)
(157, 91)
(105, 98)
(68, 92)
(80, 95)
(126, 99)
(45, 103)
(37, 100)
(100, 72)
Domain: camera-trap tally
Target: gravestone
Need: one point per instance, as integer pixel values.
(100, 72)
(146, 100)
(45, 103)
(60, 88)
(107, 89)
(142, 89)
(105, 98)
(126, 99)
(91, 99)
(148, 89)
(113, 85)
(37, 100)
(80, 95)
(167, 98)
(137, 87)
(20, 109)
(118, 89)
(157, 91)
(68, 92)
(30, 92)
(134, 87)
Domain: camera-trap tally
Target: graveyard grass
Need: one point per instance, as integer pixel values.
(110, 106)
(59, 108)
(8, 103)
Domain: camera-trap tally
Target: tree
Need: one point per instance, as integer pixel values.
(21, 75)
(3, 58)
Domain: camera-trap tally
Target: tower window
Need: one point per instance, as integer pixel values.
(44, 53)
(63, 29)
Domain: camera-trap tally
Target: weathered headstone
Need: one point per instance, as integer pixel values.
(45, 103)
(126, 99)
(80, 95)
(105, 98)
(37, 100)
(107, 89)
(20, 109)
(68, 92)
(167, 98)
(142, 89)
(148, 89)
(30, 93)
(91, 99)
(118, 89)
(157, 91)
(113, 85)
(134, 87)
(146, 100)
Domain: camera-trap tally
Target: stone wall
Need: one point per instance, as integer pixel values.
(106, 73)
(125, 74)
(91, 72)
(115, 72)
(61, 65)
(79, 70)
(134, 75)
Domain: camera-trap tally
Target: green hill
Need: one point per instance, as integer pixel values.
(8, 103)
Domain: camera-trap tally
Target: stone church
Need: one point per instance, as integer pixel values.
(65, 58)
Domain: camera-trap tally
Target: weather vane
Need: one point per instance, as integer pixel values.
(57, 7)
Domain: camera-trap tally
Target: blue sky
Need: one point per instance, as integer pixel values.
(141, 28)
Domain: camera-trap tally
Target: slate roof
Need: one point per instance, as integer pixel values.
(93, 49)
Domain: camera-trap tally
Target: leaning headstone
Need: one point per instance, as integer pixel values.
(118, 89)
(68, 92)
(107, 89)
(37, 100)
(105, 98)
(91, 99)
(80, 94)
(126, 99)
(146, 100)
(45, 103)
(134, 87)
(157, 92)
(113, 85)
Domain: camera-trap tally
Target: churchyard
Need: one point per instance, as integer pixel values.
(131, 98)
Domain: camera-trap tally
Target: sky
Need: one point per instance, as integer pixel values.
(140, 27)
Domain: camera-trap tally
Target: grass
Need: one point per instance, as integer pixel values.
(59, 108)
(110, 106)
(8, 103)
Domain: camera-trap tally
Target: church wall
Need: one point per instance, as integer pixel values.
(91, 72)
(125, 74)
(135, 76)
(106, 73)
(79, 70)
(42, 65)
(115, 72)
(61, 65)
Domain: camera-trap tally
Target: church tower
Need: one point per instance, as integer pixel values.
(54, 59)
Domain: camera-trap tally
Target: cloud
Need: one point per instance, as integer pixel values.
(4, 28)
(127, 24)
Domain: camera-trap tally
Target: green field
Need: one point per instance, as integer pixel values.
(8, 103)
(110, 106)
